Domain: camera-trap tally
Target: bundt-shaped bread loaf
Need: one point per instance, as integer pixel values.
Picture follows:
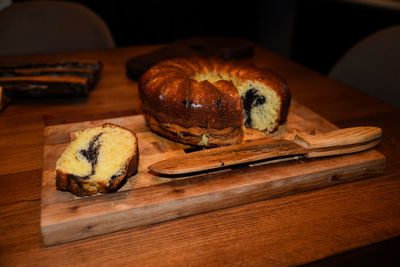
(208, 102)
(97, 160)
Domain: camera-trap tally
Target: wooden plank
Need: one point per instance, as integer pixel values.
(70, 221)
(147, 198)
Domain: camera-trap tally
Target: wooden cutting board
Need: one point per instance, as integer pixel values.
(148, 198)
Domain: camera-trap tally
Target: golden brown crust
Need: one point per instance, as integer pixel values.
(171, 96)
(82, 186)
(194, 134)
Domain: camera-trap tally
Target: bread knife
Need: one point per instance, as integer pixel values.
(337, 142)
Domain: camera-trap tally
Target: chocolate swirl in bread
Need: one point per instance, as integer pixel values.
(98, 160)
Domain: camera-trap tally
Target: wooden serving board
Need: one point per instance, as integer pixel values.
(148, 198)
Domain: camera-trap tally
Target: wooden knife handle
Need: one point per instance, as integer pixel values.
(337, 142)
(342, 141)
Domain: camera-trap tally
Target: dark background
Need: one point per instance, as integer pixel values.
(314, 33)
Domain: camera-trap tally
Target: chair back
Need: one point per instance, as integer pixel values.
(373, 66)
(51, 27)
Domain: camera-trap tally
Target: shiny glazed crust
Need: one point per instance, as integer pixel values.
(184, 108)
(84, 187)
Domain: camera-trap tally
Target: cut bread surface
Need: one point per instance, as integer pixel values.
(261, 104)
(97, 158)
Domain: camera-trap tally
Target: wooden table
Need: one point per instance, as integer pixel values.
(291, 230)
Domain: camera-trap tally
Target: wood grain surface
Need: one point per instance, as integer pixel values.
(65, 217)
(288, 230)
(267, 150)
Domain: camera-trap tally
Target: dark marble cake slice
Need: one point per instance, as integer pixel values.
(52, 79)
